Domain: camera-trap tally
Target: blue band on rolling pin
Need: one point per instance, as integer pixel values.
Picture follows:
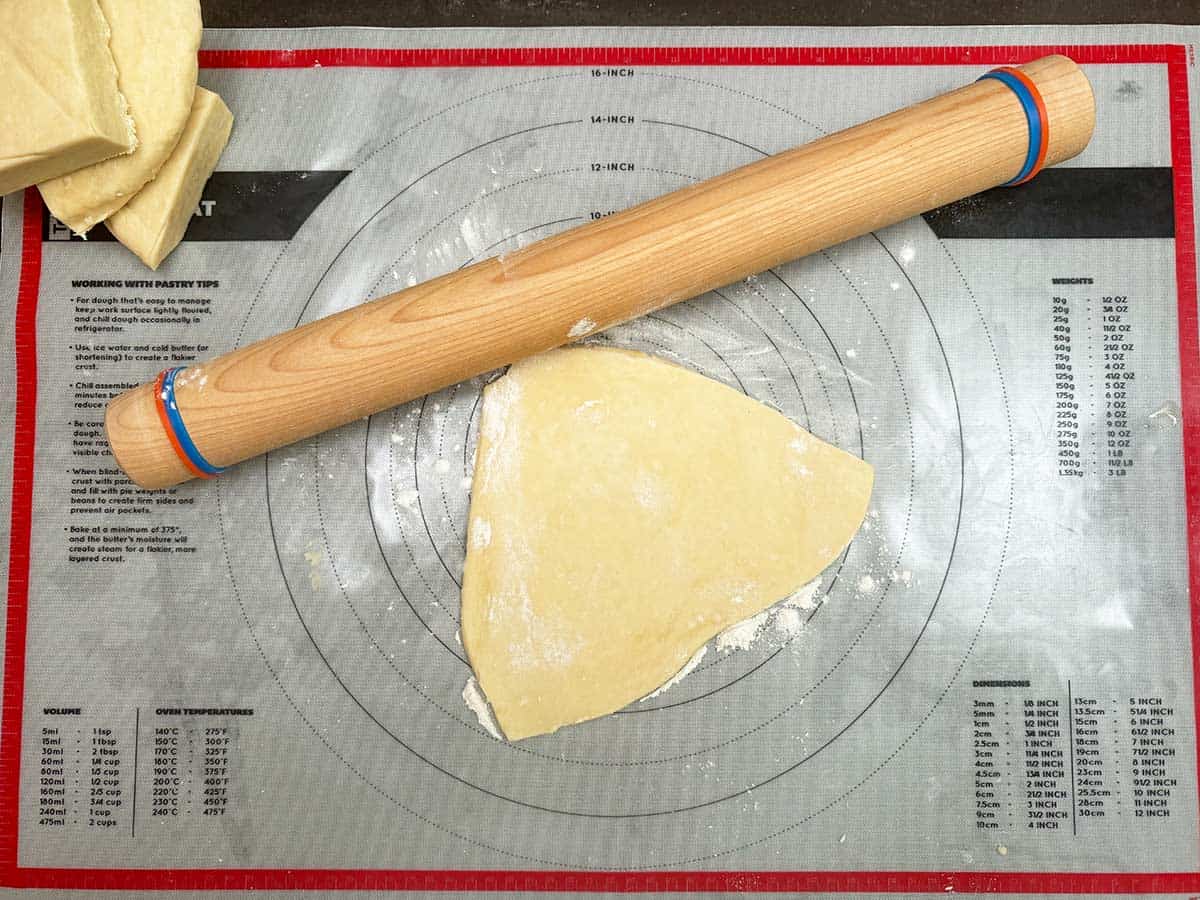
(1035, 116)
(173, 422)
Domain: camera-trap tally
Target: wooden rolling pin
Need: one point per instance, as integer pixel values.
(382, 353)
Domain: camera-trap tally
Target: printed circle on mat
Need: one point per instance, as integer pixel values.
(366, 526)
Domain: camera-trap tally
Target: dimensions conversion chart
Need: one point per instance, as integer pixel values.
(258, 681)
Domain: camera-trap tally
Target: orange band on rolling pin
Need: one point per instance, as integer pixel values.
(160, 405)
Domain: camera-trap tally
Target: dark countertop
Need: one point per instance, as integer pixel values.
(528, 13)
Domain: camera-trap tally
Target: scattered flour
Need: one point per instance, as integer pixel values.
(907, 254)
(442, 466)
(582, 328)
(688, 667)
(741, 635)
(851, 352)
(738, 591)
(541, 648)
(313, 557)
(590, 410)
(192, 374)
(799, 447)
(539, 643)
(481, 533)
(471, 237)
(478, 704)
(806, 597)
(866, 584)
(787, 616)
(500, 426)
(788, 621)
(648, 490)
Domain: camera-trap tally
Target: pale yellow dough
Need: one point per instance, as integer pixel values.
(153, 222)
(61, 109)
(154, 44)
(624, 512)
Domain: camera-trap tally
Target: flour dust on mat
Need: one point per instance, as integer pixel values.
(477, 703)
(625, 511)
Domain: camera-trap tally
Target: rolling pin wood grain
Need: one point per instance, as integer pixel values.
(396, 348)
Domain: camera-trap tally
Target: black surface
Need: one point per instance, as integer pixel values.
(1058, 203)
(241, 206)
(524, 13)
(1066, 203)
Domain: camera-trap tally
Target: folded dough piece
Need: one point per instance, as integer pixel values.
(62, 109)
(625, 511)
(153, 222)
(154, 44)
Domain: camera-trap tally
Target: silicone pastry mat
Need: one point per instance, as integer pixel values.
(258, 682)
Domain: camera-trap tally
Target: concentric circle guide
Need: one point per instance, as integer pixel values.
(365, 526)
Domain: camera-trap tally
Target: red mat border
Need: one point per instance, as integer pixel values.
(1176, 59)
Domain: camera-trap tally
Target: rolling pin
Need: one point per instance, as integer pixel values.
(1003, 128)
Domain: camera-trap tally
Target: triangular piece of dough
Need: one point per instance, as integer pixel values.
(625, 511)
(154, 221)
(154, 44)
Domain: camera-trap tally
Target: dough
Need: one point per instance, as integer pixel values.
(154, 43)
(153, 222)
(62, 109)
(624, 512)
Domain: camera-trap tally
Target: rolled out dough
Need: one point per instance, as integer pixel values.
(153, 222)
(624, 512)
(62, 109)
(154, 44)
